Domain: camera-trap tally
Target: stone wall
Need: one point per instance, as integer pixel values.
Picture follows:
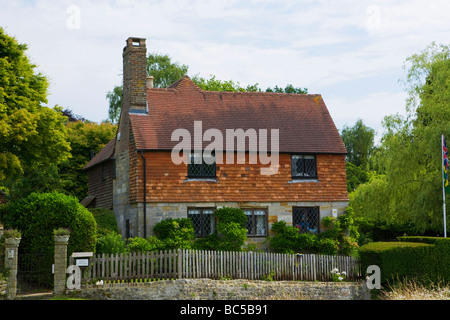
(206, 289)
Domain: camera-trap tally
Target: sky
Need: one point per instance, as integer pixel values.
(352, 52)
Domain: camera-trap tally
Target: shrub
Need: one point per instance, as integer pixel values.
(231, 229)
(175, 233)
(307, 241)
(233, 236)
(106, 221)
(138, 244)
(400, 260)
(37, 215)
(327, 246)
(286, 239)
(110, 243)
(210, 242)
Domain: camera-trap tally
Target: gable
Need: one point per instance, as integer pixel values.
(105, 154)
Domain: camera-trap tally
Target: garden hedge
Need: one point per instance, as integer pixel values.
(37, 215)
(423, 259)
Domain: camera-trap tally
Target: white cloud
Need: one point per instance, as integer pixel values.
(371, 108)
(313, 44)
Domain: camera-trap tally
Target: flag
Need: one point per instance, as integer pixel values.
(445, 164)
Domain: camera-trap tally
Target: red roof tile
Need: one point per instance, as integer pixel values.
(303, 120)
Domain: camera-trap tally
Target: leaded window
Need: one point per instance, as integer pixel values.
(303, 166)
(201, 166)
(256, 222)
(203, 221)
(306, 219)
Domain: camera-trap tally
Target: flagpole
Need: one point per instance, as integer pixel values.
(443, 186)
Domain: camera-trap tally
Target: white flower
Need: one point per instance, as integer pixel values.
(340, 278)
(334, 270)
(344, 273)
(99, 283)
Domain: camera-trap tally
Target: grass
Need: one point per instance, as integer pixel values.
(411, 290)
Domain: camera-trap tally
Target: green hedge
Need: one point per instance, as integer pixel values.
(420, 258)
(37, 215)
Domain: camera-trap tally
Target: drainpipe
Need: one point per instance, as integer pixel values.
(145, 197)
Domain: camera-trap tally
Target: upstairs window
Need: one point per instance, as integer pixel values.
(303, 166)
(201, 166)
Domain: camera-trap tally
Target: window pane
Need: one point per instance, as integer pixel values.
(306, 219)
(303, 166)
(260, 221)
(313, 219)
(197, 167)
(297, 166)
(249, 223)
(195, 217)
(310, 166)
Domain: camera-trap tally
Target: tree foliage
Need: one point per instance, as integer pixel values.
(30, 133)
(85, 138)
(411, 189)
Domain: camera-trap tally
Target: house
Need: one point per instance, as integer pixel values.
(101, 173)
(277, 156)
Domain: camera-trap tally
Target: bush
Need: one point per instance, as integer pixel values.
(106, 221)
(286, 239)
(144, 245)
(338, 237)
(175, 233)
(37, 215)
(400, 260)
(110, 243)
(231, 230)
(327, 246)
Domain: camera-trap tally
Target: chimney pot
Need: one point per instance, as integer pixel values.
(150, 82)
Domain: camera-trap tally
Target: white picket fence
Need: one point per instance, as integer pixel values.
(195, 264)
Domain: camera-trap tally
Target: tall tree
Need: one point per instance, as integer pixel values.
(411, 145)
(359, 141)
(31, 134)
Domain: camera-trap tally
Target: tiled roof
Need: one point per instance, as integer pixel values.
(303, 120)
(105, 154)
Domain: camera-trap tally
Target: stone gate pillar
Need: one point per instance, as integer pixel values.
(11, 254)
(60, 264)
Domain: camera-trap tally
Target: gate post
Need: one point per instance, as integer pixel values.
(60, 264)
(11, 249)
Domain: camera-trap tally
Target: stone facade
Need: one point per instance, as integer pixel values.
(205, 289)
(277, 211)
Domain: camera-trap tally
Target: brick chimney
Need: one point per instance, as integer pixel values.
(134, 99)
(135, 75)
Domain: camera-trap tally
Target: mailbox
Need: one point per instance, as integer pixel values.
(82, 259)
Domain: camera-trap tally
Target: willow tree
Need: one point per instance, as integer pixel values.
(412, 146)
